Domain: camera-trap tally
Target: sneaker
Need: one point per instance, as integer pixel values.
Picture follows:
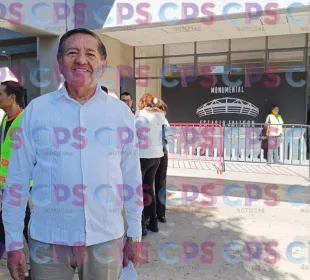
(162, 219)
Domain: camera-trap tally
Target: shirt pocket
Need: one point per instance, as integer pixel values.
(42, 138)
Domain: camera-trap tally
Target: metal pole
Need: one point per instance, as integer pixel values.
(307, 95)
(223, 143)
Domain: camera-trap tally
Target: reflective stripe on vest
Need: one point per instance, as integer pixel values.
(4, 162)
(7, 146)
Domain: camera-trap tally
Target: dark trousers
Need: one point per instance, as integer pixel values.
(160, 186)
(2, 233)
(149, 168)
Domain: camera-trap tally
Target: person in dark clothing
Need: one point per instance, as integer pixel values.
(152, 118)
(12, 103)
(161, 174)
(127, 98)
(160, 187)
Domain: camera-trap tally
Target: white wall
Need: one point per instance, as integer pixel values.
(111, 78)
(128, 82)
(120, 56)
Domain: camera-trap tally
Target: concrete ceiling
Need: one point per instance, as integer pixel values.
(198, 31)
(24, 29)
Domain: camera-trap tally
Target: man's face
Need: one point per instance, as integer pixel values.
(5, 100)
(275, 110)
(81, 63)
(127, 100)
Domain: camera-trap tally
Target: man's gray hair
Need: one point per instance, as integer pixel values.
(63, 39)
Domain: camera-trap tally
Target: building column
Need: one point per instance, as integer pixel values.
(47, 77)
(111, 77)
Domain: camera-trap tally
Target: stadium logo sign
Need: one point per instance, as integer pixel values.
(227, 106)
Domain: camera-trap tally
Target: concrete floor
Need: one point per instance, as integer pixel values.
(220, 225)
(198, 237)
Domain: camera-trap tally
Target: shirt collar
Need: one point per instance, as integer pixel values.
(62, 92)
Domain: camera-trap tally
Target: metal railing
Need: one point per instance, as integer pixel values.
(286, 144)
(241, 142)
(198, 141)
(251, 143)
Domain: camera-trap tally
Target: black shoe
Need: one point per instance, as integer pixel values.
(162, 219)
(153, 226)
(144, 230)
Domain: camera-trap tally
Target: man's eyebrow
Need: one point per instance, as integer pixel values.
(76, 49)
(70, 49)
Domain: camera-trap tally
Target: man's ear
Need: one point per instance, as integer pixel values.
(104, 67)
(12, 97)
(59, 60)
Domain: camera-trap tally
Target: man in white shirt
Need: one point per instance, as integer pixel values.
(274, 129)
(71, 144)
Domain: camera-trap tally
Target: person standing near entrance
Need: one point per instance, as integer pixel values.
(127, 98)
(80, 167)
(161, 174)
(12, 103)
(274, 130)
(149, 122)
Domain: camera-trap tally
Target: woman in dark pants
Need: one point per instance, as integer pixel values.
(160, 187)
(149, 121)
(148, 169)
(161, 174)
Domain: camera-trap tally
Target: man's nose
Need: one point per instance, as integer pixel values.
(81, 59)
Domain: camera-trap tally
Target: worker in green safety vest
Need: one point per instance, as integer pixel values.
(274, 130)
(12, 102)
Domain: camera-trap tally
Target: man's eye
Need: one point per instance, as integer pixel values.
(72, 53)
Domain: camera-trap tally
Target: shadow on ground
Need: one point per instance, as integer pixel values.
(191, 246)
(199, 246)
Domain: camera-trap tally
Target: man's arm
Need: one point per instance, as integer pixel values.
(16, 190)
(131, 170)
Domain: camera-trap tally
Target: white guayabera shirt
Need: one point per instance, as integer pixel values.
(79, 166)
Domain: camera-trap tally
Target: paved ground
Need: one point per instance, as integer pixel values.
(196, 235)
(242, 172)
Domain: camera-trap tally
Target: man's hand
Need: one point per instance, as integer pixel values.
(17, 264)
(132, 251)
